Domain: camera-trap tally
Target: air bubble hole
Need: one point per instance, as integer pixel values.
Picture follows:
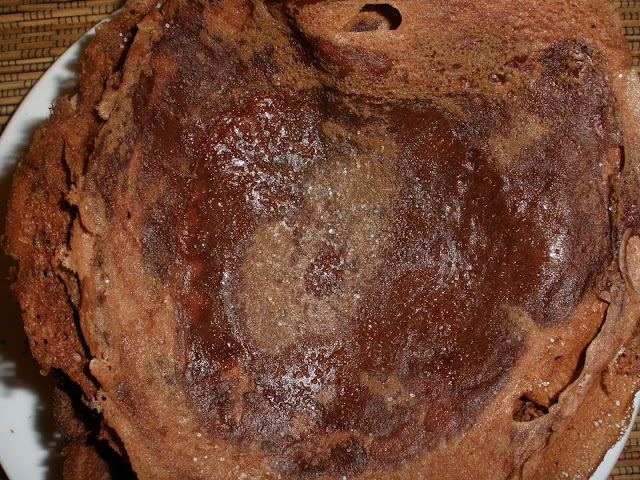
(375, 16)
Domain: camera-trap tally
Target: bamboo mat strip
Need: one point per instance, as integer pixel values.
(77, 27)
(34, 33)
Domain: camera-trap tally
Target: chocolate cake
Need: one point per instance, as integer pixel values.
(334, 239)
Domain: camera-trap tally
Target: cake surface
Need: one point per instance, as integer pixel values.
(323, 239)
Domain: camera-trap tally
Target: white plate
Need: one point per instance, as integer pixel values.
(29, 444)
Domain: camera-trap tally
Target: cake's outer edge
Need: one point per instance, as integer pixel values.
(39, 215)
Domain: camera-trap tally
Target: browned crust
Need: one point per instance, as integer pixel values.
(599, 422)
(37, 200)
(38, 221)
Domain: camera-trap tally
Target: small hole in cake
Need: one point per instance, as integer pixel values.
(497, 79)
(375, 16)
(527, 410)
(517, 62)
(622, 159)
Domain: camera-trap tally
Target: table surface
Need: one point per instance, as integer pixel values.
(34, 33)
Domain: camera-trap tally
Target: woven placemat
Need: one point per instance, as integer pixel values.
(34, 33)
